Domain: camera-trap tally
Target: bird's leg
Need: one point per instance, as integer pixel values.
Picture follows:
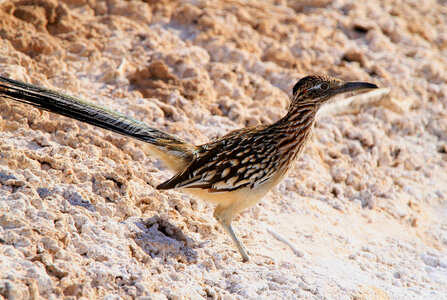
(239, 245)
(226, 225)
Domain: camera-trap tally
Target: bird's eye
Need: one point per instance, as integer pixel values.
(324, 86)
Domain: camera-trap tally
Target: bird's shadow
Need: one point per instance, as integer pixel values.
(159, 238)
(73, 197)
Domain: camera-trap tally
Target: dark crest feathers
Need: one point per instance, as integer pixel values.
(306, 82)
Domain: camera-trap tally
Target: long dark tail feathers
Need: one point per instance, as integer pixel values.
(168, 145)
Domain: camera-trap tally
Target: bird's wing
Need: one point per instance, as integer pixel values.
(230, 163)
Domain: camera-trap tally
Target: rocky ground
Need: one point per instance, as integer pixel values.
(363, 214)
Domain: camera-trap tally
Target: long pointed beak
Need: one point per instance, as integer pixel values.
(355, 86)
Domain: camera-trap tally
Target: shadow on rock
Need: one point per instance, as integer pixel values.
(159, 238)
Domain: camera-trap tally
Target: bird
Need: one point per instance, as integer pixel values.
(234, 171)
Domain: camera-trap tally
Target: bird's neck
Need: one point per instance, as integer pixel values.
(292, 132)
(299, 118)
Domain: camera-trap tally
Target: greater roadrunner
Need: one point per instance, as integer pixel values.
(234, 171)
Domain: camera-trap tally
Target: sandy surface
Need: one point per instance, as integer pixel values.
(363, 215)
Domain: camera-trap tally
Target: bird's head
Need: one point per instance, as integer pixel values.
(316, 90)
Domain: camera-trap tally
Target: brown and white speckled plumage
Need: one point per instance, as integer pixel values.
(234, 171)
(249, 157)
